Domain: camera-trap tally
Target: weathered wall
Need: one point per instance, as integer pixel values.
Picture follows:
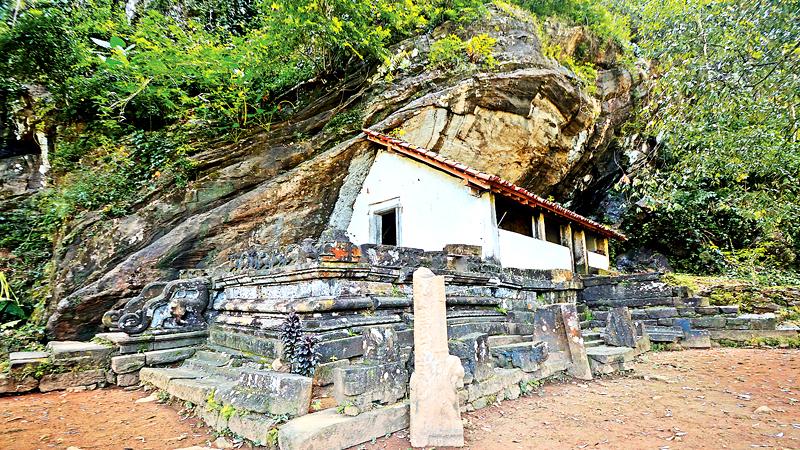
(436, 208)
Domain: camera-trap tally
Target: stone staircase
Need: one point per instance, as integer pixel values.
(234, 392)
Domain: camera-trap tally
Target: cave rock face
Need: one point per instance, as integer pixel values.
(528, 119)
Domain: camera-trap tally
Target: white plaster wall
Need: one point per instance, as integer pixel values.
(597, 260)
(523, 252)
(436, 208)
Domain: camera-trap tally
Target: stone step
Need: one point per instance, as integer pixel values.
(160, 377)
(197, 390)
(593, 343)
(591, 336)
(506, 339)
(664, 334)
(585, 324)
(212, 368)
(214, 357)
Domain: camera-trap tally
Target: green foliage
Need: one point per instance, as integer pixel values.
(479, 50)
(587, 315)
(17, 337)
(590, 13)
(451, 52)
(211, 403)
(722, 194)
(227, 412)
(447, 53)
(763, 342)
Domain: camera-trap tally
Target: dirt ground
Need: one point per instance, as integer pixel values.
(721, 398)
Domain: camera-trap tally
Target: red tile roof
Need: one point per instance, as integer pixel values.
(487, 181)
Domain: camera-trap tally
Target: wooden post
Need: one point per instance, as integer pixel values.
(566, 241)
(579, 252)
(603, 246)
(540, 232)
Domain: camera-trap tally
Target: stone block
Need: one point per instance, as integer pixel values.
(666, 322)
(127, 363)
(127, 379)
(168, 356)
(660, 313)
(212, 417)
(323, 375)
(707, 310)
(328, 430)
(18, 357)
(380, 344)
(255, 427)
(473, 351)
(502, 379)
(609, 355)
(638, 314)
(526, 356)
(363, 384)
(696, 339)
(269, 392)
(513, 392)
(344, 348)
(61, 381)
(729, 309)
(709, 322)
(686, 311)
(494, 341)
(760, 321)
(620, 331)
(62, 350)
(11, 385)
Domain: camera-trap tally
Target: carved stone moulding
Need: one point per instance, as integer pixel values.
(178, 307)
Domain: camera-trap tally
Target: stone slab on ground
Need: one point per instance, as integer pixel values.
(168, 356)
(160, 377)
(11, 385)
(127, 363)
(606, 354)
(61, 381)
(696, 339)
(330, 430)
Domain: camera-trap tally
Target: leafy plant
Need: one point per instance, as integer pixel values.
(306, 357)
(479, 50)
(291, 334)
(447, 53)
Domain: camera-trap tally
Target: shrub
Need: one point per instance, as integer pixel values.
(447, 53)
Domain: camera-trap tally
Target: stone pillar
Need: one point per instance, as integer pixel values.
(435, 416)
(579, 252)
